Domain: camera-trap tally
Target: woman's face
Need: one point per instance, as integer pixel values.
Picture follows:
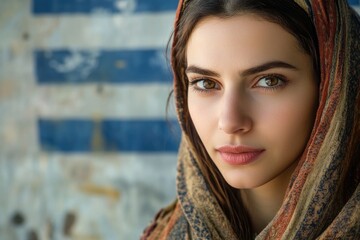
(252, 97)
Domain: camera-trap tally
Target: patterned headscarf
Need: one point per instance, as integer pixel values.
(328, 169)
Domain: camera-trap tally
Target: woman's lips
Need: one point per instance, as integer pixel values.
(239, 155)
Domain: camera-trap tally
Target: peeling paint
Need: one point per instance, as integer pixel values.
(97, 141)
(103, 191)
(85, 62)
(120, 64)
(79, 196)
(126, 6)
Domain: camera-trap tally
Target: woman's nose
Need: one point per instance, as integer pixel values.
(235, 114)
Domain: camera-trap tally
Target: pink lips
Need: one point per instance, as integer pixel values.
(239, 155)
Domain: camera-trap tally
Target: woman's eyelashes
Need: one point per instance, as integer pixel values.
(204, 85)
(266, 82)
(271, 82)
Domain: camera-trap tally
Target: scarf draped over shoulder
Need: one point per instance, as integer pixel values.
(329, 167)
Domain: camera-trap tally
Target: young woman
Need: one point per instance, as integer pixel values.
(267, 95)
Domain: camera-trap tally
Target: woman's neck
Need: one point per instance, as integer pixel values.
(262, 203)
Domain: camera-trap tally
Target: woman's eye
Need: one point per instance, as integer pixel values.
(205, 84)
(270, 81)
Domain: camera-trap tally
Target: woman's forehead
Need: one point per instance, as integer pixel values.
(244, 38)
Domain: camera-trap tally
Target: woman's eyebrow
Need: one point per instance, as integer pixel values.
(251, 71)
(267, 66)
(202, 71)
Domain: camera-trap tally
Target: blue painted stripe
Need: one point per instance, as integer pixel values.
(79, 135)
(110, 6)
(116, 66)
(354, 2)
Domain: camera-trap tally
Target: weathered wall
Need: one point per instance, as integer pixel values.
(85, 147)
(86, 151)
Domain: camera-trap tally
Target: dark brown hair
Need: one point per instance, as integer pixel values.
(287, 14)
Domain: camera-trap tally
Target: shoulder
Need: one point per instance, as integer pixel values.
(168, 222)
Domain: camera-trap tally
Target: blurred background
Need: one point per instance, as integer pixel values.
(87, 146)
